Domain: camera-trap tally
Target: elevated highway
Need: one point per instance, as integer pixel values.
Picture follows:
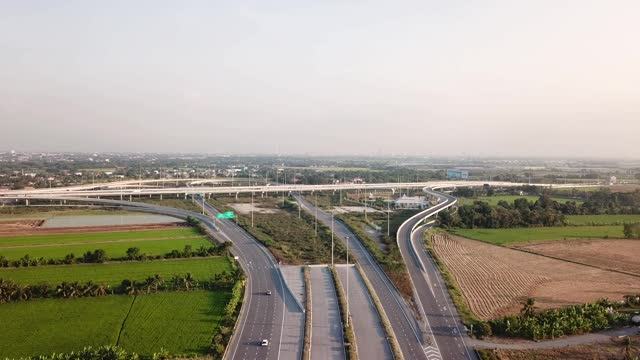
(126, 190)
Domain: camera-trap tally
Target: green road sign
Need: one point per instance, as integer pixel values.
(226, 215)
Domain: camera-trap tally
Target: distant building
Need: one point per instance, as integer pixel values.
(457, 174)
(410, 202)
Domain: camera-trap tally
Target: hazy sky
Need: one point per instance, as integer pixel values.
(517, 78)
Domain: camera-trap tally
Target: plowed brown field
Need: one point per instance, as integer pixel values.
(621, 255)
(495, 280)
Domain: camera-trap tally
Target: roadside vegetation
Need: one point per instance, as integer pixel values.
(291, 239)
(551, 324)
(347, 328)
(389, 259)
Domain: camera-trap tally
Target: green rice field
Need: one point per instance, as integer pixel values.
(113, 249)
(98, 237)
(179, 322)
(520, 235)
(602, 219)
(113, 273)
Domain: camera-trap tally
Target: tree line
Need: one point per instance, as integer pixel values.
(14, 291)
(99, 256)
(550, 324)
(543, 212)
(522, 213)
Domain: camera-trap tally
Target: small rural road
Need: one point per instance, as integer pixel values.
(557, 343)
(326, 325)
(367, 324)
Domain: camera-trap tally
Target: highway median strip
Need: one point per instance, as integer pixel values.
(349, 335)
(306, 352)
(393, 342)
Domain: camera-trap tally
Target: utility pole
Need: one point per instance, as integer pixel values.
(316, 223)
(203, 204)
(388, 223)
(284, 183)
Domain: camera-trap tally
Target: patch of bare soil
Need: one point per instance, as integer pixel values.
(87, 229)
(495, 280)
(244, 209)
(616, 254)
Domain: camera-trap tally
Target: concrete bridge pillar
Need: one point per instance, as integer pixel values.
(26, 201)
(130, 198)
(160, 196)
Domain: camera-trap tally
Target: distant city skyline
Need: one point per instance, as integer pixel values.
(419, 78)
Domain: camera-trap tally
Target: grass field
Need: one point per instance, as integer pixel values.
(98, 236)
(114, 273)
(113, 249)
(519, 235)
(494, 200)
(602, 219)
(46, 325)
(180, 322)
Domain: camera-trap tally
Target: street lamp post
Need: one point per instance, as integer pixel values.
(348, 270)
(332, 238)
(252, 209)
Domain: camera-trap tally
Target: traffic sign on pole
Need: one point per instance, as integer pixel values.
(226, 215)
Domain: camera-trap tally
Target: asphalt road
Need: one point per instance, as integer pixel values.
(276, 318)
(444, 332)
(364, 315)
(402, 321)
(326, 325)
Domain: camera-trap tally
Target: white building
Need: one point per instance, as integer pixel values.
(410, 202)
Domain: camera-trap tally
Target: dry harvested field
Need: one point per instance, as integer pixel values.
(495, 280)
(19, 225)
(622, 255)
(16, 231)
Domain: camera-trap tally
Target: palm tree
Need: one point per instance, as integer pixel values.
(528, 308)
(24, 292)
(188, 281)
(149, 282)
(157, 281)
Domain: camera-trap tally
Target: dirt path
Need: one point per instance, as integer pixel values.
(550, 344)
(100, 242)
